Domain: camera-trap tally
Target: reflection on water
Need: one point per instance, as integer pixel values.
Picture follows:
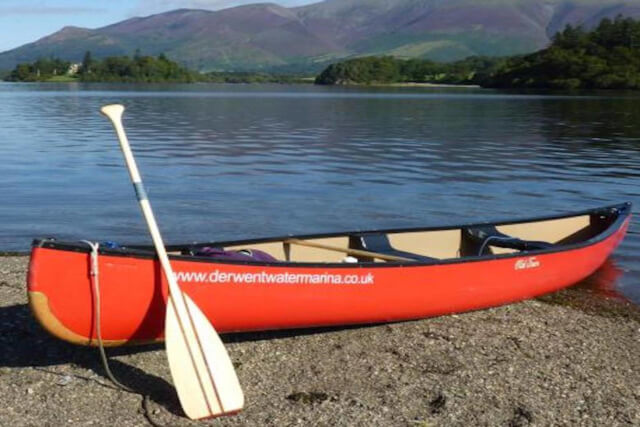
(224, 162)
(605, 280)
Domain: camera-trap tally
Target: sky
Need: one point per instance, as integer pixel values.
(25, 21)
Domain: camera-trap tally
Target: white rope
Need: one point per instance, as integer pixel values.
(94, 273)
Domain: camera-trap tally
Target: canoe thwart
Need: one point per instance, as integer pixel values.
(348, 251)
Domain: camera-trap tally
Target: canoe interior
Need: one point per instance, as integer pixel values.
(421, 246)
(434, 244)
(439, 244)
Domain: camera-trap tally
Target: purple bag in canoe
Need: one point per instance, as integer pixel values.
(241, 255)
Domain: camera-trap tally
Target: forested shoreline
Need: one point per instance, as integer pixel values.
(607, 57)
(389, 70)
(136, 69)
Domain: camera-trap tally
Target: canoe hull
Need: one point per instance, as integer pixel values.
(247, 297)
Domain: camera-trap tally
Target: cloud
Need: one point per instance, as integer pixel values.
(48, 10)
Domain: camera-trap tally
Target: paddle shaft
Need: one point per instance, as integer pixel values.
(141, 195)
(348, 251)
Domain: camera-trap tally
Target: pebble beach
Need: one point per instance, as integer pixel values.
(569, 358)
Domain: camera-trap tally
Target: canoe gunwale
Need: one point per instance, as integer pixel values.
(622, 210)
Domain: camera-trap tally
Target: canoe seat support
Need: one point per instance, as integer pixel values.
(379, 243)
(476, 241)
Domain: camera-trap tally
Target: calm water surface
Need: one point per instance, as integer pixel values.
(224, 162)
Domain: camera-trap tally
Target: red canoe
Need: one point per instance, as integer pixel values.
(319, 280)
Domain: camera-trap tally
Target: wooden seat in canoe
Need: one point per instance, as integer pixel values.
(379, 243)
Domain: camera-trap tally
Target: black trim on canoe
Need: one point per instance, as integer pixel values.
(619, 212)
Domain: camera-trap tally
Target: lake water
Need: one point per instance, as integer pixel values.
(225, 161)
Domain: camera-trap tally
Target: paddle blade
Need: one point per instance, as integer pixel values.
(202, 371)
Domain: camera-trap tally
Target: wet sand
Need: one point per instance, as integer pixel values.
(564, 359)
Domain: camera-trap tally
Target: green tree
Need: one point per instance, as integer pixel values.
(87, 63)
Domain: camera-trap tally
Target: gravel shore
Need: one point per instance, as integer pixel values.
(564, 359)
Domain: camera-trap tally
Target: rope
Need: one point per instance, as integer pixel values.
(488, 239)
(95, 281)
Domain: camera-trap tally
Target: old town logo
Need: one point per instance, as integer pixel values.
(526, 263)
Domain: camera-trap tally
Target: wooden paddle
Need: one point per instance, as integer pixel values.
(202, 371)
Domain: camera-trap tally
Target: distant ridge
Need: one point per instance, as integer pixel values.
(267, 36)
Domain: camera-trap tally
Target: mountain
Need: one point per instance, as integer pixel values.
(267, 36)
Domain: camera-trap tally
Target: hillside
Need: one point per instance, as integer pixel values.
(266, 36)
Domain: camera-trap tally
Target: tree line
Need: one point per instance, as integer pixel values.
(608, 57)
(139, 68)
(136, 69)
(387, 69)
(41, 70)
